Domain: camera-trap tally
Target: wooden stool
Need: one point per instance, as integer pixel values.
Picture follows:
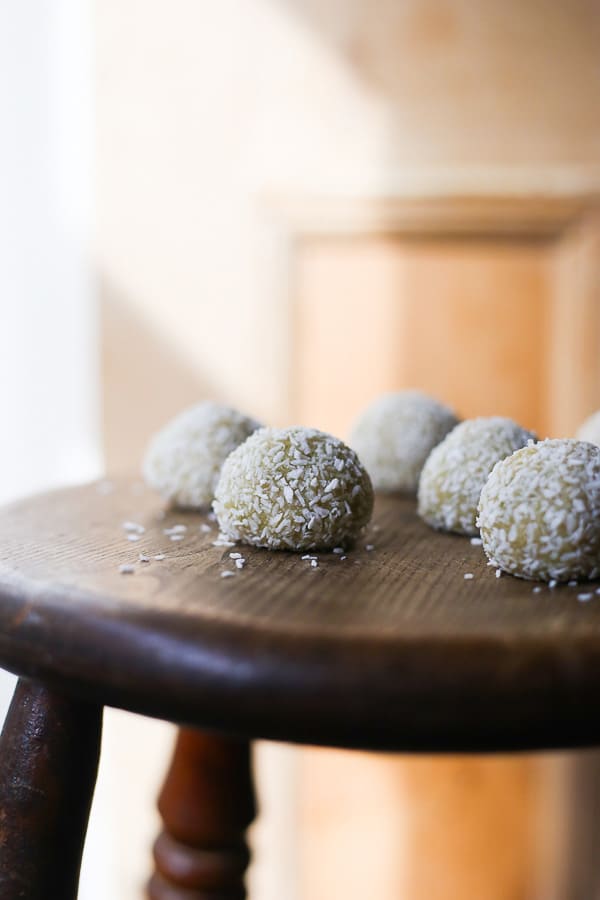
(385, 650)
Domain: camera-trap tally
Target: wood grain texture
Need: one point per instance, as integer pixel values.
(206, 804)
(389, 649)
(49, 754)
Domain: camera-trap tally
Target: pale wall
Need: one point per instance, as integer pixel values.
(49, 373)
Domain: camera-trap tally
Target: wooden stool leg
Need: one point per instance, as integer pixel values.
(206, 804)
(49, 751)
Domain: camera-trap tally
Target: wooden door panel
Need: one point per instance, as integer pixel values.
(475, 317)
(347, 308)
(465, 320)
(493, 319)
(451, 828)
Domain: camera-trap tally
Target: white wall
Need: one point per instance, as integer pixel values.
(48, 337)
(48, 328)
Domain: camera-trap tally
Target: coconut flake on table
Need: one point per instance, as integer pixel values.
(285, 489)
(175, 529)
(133, 527)
(539, 512)
(457, 469)
(396, 433)
(223, 541)
(184, 459)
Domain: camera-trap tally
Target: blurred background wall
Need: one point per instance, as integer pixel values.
(299, 204)
(49, 327)
(214, 125)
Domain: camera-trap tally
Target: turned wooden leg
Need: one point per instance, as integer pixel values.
(49, 751)
(206, 804)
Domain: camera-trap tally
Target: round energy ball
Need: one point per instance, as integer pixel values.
(184, 459)
(395, 435)
(293, 489)
(539, 511)
(458, 468)
(590, 429)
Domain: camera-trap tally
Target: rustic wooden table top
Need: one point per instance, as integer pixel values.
(390, 648)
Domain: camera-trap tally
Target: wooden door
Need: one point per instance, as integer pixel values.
(495, 309)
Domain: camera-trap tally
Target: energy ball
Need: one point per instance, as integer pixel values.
(458, 468)
(539, 512)
(293, 489)
(395, 435)
(590, 429)
(184, 459)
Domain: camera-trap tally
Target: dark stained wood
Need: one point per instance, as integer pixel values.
(389, 649)
(206, 804)
(49, 753)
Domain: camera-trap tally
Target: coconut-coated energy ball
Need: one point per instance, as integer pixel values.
(293, 489)
(539, 511)
(458, 468)
(590, 429)
(184, 459)
(395, 435)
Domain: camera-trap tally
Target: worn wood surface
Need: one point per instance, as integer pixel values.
(206, 804)
(49, 753)
(388, 649)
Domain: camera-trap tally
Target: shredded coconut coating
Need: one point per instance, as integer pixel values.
(590, 429)
(539, 512)
(184, 459)
(293, 489)
(395, 435)
(457, 469)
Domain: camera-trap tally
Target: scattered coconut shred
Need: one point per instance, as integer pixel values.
(293, 489)
(539, 512)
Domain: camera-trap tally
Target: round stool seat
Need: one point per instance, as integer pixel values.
(389, 648)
